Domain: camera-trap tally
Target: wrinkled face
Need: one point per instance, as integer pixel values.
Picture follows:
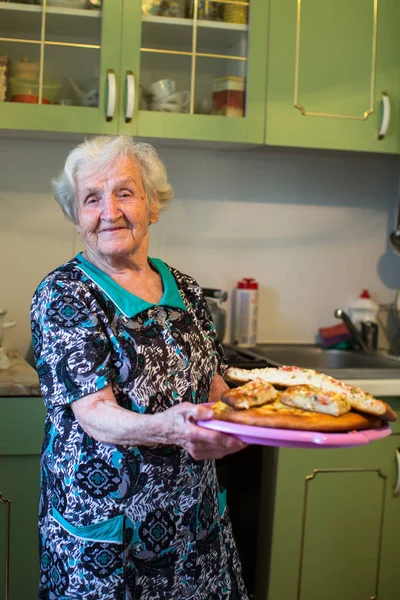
(113, 212)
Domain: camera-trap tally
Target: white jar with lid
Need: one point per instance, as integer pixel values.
(245, 312)
(363, 309)
(25, 69)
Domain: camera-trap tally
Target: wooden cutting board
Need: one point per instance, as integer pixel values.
(20, 379)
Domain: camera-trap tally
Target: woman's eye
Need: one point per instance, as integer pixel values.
(126, 194)
(91, 200)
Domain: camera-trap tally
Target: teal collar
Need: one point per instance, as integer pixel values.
(129, 304)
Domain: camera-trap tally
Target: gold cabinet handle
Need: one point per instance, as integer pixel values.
(130, 96)
(112, 93)
(396, 490)
(8, 527)
(385, 116)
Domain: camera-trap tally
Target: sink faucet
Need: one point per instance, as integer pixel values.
(340, 314)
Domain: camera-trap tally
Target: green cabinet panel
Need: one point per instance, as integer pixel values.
(21, 433)
(333, 60)
(19, 482)
(335, 526)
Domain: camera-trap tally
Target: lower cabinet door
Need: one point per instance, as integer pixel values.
(19, 485)
(21, 435)
(328, 524)
(389, 578)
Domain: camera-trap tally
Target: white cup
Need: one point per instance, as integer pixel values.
(161, 88)
(181, 97)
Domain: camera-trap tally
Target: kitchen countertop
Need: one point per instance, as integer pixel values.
(20, 379)
(380, 382)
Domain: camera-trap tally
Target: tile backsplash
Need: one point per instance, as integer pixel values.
(312, 227)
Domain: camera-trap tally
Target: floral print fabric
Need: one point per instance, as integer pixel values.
(144, 523)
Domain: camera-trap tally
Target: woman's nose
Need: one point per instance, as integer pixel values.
(111, 208)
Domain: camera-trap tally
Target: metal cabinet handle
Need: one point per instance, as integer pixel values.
(396, 491)
(130, 96)
(112, 93)
(8, 526)
(385, 116)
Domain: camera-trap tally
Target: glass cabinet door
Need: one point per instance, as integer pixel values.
(58, 65)
(194, 74)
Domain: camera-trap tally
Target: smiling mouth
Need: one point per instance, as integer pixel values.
(111, 229)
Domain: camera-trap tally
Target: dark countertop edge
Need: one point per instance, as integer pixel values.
(366, 374)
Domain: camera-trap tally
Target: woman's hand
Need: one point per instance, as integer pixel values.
(178, 424)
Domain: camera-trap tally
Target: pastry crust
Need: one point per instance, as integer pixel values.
(283, 417)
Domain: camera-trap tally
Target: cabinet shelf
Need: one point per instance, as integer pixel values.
(175, 21)
(14, 7)
(175, 34)
(24, 21)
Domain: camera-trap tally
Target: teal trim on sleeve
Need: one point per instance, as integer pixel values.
(129, 304)
(222, 501)
(110, 531)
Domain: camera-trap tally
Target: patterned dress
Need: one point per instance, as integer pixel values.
(145, 523)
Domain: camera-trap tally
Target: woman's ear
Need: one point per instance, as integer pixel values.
(154, 210)
(153, 217)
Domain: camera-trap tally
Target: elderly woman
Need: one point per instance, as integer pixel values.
(127, 356)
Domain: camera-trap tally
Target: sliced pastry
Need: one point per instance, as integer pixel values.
(255, 393)
(308, 397)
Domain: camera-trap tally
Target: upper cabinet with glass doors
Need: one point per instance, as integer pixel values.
(59, 65)
(201, 68)
(333, 76)
(189, 69)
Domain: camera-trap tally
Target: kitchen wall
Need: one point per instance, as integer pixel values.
(312, 227)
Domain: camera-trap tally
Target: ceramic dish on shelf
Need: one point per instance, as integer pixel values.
(290, 438)
(23, 90)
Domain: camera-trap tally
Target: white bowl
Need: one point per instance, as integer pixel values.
(166, 107)
(161, 88)
(181, 97)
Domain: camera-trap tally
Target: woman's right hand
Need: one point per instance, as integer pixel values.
(178, 424)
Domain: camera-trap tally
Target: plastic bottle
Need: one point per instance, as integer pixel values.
(363, 309)
(246, 312)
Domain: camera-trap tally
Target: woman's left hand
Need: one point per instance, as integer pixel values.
(179, 425)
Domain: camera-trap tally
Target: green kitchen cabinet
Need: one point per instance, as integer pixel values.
(21, 434)
(334, 527)
(95, 68)
(333, 68)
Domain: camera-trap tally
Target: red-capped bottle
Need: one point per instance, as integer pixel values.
(246, 312)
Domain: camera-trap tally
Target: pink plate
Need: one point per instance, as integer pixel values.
(290, 438)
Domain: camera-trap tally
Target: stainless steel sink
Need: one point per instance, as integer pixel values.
(343, 364)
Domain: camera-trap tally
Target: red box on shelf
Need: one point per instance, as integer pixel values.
(228, 96)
